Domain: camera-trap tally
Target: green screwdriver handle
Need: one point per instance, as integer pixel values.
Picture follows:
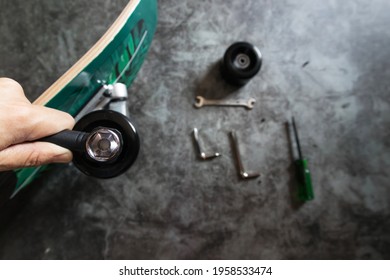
(305, 189)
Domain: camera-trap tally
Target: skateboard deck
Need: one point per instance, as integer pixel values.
(116, 57)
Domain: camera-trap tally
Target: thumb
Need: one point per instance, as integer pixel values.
(33, 154)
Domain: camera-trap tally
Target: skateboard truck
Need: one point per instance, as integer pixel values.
(104, 141)
(111, 97)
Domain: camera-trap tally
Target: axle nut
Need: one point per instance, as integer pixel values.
(104, 144)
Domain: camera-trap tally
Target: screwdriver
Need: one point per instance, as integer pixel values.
(305, 189)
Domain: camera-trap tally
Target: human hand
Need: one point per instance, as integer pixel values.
(21, 122)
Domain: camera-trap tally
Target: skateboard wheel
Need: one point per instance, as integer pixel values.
(8, 181)
(240, 63)
(128, 138)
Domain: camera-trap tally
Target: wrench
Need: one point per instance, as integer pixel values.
(200, 101)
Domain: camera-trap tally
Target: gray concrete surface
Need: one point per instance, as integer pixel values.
(325, 62)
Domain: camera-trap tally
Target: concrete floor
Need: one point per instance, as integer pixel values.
(325, 62)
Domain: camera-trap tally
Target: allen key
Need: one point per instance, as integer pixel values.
(243, 174)
(203, 155)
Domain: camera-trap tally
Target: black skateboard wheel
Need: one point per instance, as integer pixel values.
(129, 150)
(240, 63)
(8, 182)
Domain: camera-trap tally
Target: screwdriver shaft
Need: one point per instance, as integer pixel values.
(297, 139)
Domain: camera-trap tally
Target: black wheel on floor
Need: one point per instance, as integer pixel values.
(240, 63)
(112, 147)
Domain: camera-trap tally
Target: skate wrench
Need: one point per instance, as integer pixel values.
(200, 101)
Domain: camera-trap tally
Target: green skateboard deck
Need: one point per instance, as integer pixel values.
(116, 57)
